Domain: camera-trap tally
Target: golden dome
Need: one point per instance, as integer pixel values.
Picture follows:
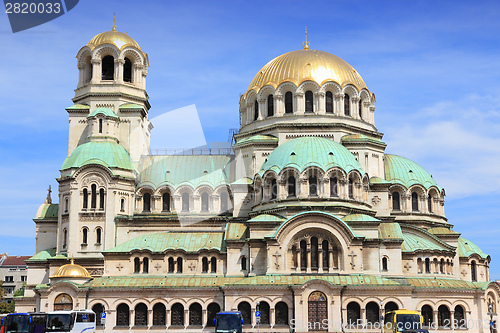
(114, 37)
(306, 65)
(71, 270)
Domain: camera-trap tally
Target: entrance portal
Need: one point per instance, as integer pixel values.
(317, 312)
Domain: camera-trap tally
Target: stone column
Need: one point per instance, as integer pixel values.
(150, 318)
(204, 317)
(299, 262)
(299, 103)
(320, 257)
(282, 190)
(339, 104)
(279, 106)
(131, 318)
(308, 257)
(186, 318)
(355, 107)
(272, 319)
(435, 315)
(176, 203)
(167, 318)
(262, 104)
(96, 71)
(452, 320)
(119, 70)
(303, 193)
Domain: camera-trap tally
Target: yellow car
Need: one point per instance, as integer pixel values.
(405, 321)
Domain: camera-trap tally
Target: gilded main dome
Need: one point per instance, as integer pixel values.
(306, 65)
(71, 270)
(114, 37)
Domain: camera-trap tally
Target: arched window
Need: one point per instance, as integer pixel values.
(313, 186)
(85, 233)
(427, 313)
(137, 265)
(360, 109)
(100, 125)
(350, 185)
(473, 271)
(101, 198)
(246, 312)
(177, 315)
(274, 189)
(372, 313)
(204, 202)
(213, 265)
(171, 265)
(460, 316)
(427, 265)
(395, 201)
(353, 313)
(166, 202)
(329, 102)
(63, 302)
(145, 265)
(224, 202)
(326, 255)
(85, 198)
(256, 110)
(429, 204)
(212, 310)
(243, 263)
(204, 265)
(270, 106)
(314, 253)
(384, 264)
(441, 266)
(264, 313)
(195, 315)
(98, 236)
(185, 202)
(281, 313)
(146, 202)
(443, 316)
(309, 101)
(93, 199)
(347, 105)
(303, 254)
(289, 102)
(122, 205)
(291, 187)
(98, 309)
(141, 315)
(391, 306)
(159, 311)
(179, 265)
(108, 68)
(127, 70)
(65, 238)
(122, 315)
(334, 186)
(414, 201)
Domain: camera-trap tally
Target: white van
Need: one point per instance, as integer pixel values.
(73, 321)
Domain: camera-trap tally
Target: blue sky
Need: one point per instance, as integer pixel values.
(433, 66)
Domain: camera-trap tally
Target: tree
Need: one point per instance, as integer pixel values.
(4, 306)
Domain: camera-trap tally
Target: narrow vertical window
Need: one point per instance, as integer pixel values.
(243, 263)
(166, 202)
(224, 202)
(85, 233)
(145, 265)
(100, 125)
(326, 254)
(146, 202)
(313, 186)
(101, 198)
(122, 205)
(127, 70)
(395, 201)
(213, 265)
(473, 271)
(441, 266)
(185, 202)
(291, 187)
(360, 109)
(289, 102)
(414, 201)
(303, 255)
(179, 265)
(429, 203)
(314, 253)
(204, 265)
(93, 199)
(274, 189)
(270, 106)
(108, 68)
(347, 105)
(351, 188)
(256, 110)
(333, 187)
(137, 265)
(309, 101)
(329, 102)
(204, 202)
(427, 265)
(98, 234)
(171, 265)
(85, 198)
(65, 238)
(384, 264)
(66, 201)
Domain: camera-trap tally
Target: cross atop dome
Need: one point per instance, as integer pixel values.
(306, 43)
(114, 23)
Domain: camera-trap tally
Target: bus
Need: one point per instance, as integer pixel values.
(72, 321)
(23, 323)
(228, 322)
(404, 321)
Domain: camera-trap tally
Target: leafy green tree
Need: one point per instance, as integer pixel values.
(4, 306)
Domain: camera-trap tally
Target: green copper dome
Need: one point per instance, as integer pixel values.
(104, 111)
(108, 154)
(400, 170)
(304, 152)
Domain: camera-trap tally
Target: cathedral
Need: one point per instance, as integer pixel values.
(305, 219)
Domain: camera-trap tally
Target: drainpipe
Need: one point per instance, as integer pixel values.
(223, 299)
(293, 308)
(341, 307)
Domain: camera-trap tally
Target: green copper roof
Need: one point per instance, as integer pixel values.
(361, 138)
(359, 218)
(413, 242)
(286, 280)
(442, 231)
(267, 218)
(130, 106)
(440, 283)
(304, 152)
(104, 111)
(106, 153)
(136, 281)
(177, 170)
(400, 170)
(389, 231)
(466, 248)
(43, 255)
(78, 107)
(49, 211)
(162, 241)
(258, 139)
(236, 231)
(378, 180)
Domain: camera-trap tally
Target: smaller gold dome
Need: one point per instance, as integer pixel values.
(71, 270)
(113, 37)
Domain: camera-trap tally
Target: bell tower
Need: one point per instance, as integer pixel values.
(112, 75)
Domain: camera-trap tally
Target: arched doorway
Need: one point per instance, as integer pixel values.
(317, 310)
(63, 302)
